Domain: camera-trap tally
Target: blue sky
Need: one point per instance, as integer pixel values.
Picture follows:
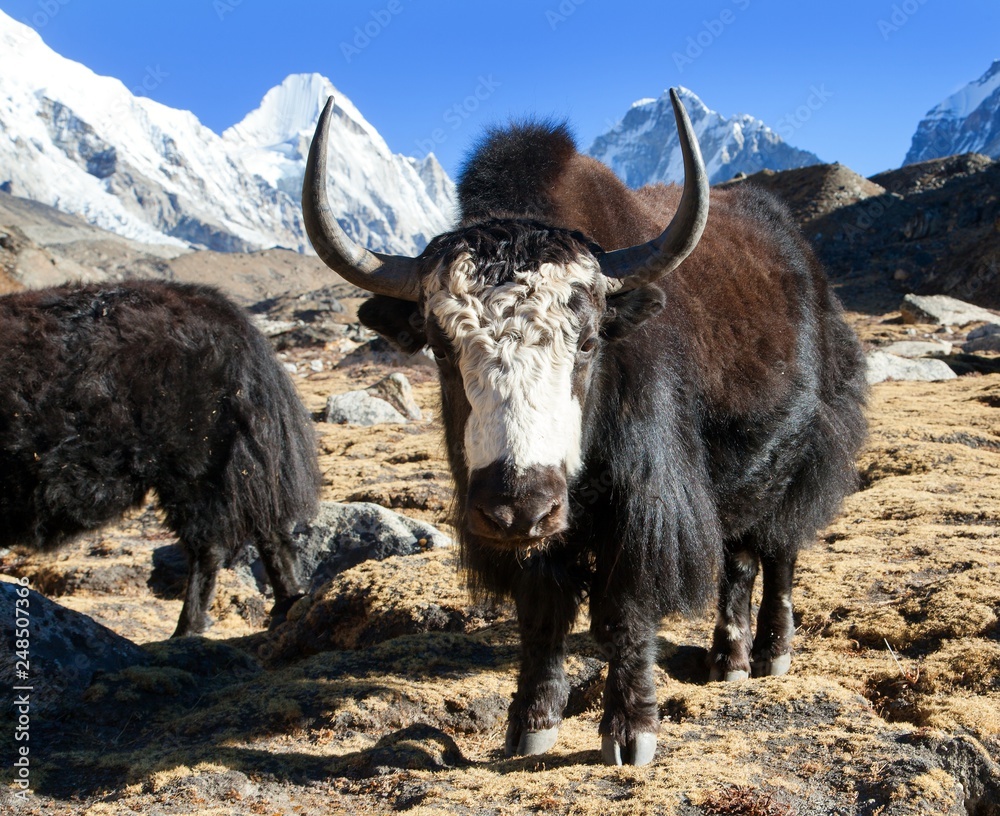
(424, 69)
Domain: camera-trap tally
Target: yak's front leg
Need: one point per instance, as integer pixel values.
(631, 718)
(546, 609)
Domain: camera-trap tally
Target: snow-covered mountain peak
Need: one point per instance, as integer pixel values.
(643, 147)
(292, 109)
(959, 105)
(390, 202)
(968, 121)
(691, 100)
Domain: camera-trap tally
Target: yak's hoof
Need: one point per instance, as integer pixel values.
(638, 751)
(193, 630)
(716, 674)
(279, 612)
(529, 743)
(775, 667)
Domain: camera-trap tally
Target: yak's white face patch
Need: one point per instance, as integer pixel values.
(516, 346)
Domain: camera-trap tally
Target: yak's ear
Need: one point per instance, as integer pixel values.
(629, 310)
(398, 321)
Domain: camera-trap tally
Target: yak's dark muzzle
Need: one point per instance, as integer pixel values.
(516, 507)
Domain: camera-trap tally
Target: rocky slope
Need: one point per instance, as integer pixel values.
(41, 246)
(643, 147)
(966, 122)
(929, 228)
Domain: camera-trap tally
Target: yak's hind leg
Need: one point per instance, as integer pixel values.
(730, 657)
(737, 653)
(203, 567)
(546, 609)
(280, 564)
(772, 645)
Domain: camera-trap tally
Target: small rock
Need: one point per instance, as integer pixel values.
(882, 367)
(360, 408)
(984, 338)
(917, 348)
(418, 747)
(272, 328)
(378, 601)
(343, 535)
(940, 309)
(378, 350)
(395, 389)
(64, 649)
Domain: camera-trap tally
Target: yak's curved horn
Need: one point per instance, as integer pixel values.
(393, 275)
(644, 263)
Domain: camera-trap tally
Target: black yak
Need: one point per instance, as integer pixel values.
(108, 391)
(634, 415)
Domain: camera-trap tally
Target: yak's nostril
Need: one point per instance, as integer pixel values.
(545, 516)
(499, 517)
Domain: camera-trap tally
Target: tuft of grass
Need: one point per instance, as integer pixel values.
(744, 800)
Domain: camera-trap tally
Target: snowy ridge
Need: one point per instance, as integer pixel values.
(966, 122)
(643, 148)
(86, 145)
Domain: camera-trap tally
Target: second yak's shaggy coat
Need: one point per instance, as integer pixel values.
(109, 391)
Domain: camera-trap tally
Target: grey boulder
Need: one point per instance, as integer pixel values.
(883, 366)
(55, 652)
(943, 310)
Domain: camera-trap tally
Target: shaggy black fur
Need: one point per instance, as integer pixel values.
(110, 391)
(514, 168)
(723, 410)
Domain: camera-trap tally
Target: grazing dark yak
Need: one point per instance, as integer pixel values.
(633, 415)
(108, 391)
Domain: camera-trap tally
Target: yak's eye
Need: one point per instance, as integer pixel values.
(439, 349)
(589, 344)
